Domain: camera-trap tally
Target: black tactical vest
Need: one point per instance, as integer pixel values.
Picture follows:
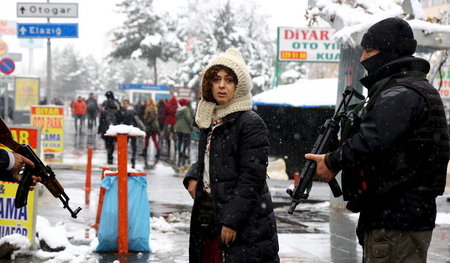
(425, 152)
(429, 138)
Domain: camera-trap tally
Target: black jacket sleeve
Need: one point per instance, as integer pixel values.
(192, 174)
(393, 114)
(4, 163)
(4, 159)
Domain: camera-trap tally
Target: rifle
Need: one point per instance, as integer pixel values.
(46, 174)
(326, 133)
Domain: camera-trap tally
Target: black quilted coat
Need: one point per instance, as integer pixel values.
(240, 196)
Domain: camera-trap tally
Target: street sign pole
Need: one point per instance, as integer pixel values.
(49, 69)
(47, 10)
(49, 66)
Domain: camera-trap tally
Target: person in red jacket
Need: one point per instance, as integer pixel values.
(168, 133)
(79, 112)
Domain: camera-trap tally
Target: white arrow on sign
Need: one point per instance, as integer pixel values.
(57, 10)
(22, 30)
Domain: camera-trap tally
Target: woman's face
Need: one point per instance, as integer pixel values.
(223, 87)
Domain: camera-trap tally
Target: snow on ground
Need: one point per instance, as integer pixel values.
(17, 240)
(443, 219)
(166, 238)
(162, 240)
(163, 230)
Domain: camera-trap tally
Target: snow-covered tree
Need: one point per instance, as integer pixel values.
(94, 76)
(224, 29)
(69, 73)
(193, 34)
(146, 34)
(258, 47)
(351, 18)
(210, 31)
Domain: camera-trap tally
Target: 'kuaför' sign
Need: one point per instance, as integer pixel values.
(307, 45)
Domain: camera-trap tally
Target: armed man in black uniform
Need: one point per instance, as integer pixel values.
(394, 163)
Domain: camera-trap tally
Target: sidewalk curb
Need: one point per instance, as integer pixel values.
(79, 167)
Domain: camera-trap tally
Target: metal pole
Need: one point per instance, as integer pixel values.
(122, 191)
(5, 103)
(30, 60)
(49, 70)
(49, 66)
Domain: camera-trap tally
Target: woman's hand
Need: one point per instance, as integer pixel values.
(192, 187)
(228, 235)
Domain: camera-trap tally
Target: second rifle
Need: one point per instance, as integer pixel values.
(326, 133)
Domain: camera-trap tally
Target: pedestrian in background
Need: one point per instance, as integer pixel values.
(9, 104)
(232, 217)
(394, 165)
(151, 127)
(110, 115)
(161, 114)
(79, 113)
(183, 128)
(139, 107)
(130, 117)
(58, 101)
(168, 132)
(92, 111)
(43, 101)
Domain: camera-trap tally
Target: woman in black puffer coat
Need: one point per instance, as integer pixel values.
(232, 217)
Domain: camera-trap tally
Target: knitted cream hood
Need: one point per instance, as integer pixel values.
(242, 101)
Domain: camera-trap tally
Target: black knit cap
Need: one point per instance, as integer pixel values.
(392, 34)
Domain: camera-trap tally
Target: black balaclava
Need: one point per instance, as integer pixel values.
(393, 37)
(373, 63)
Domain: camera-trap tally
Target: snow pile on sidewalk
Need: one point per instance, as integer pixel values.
(16, 240)
(443, 219)
(161, 240)
(58, 237)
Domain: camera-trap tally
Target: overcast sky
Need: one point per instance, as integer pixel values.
(97, 17)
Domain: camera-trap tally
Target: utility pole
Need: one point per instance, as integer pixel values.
(49, 66)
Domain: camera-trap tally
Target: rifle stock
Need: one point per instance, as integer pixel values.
(327, 132)
(48, 178)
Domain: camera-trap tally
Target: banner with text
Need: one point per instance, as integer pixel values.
(28, 135)
(16, 220)
(443, 84)
(27, 93)
(307, 45)
(51, 121)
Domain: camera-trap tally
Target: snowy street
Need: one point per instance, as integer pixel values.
(315, 233)
(355, 93)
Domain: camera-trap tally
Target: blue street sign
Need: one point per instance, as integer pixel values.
(124, 86)
(47, 30)
(7, 66)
